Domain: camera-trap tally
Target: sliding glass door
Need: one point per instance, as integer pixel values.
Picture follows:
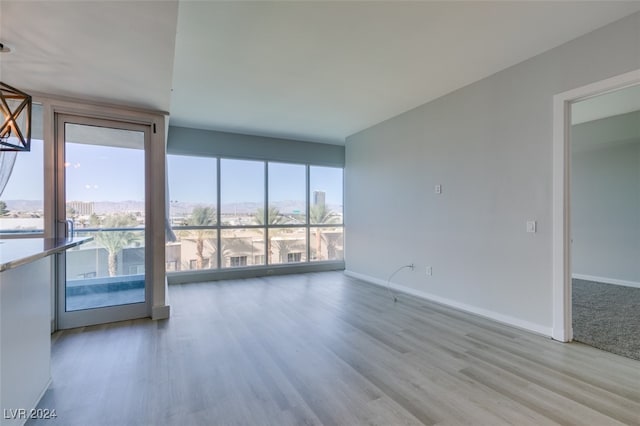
(101, 187)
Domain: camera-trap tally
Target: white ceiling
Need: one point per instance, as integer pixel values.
(316, 71)
(110, 51)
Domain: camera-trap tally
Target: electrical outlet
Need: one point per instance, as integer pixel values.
(531, 226)
(438, 189)
(429, 271)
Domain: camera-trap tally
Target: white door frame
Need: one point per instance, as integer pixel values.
(158, 120)
(98, 315)
(562, 329)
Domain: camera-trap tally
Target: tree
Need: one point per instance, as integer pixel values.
(273, 217)
(285, 246)
(320, 215)
(115, 241)
(3, 208)
(201, 216)
(71, 212)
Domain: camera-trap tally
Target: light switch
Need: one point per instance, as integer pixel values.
(438, 189)
(531, 226)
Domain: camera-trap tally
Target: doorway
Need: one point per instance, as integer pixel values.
(562, 206)
(101, 188)
(605, 221)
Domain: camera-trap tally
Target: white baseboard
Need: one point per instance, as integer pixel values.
(505, 319)
(606, 280)
(160, 312)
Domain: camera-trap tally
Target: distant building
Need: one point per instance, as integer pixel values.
(319, 198)
(82, 208)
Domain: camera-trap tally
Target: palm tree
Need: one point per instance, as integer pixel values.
(273, 217)
(286, 246)
(201, 216)
(115, 241)
(320, 215)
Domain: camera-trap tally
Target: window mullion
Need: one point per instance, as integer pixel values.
(218, 214)
(308, 212)
(267, 260)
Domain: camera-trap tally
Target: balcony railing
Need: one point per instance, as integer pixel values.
(110, 270)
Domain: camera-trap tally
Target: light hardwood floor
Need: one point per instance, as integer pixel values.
(327, 349)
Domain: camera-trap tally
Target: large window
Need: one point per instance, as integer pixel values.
(230, 213)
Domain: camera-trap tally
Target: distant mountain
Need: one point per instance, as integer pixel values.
(100, 207)
(177, 208)
(25, 205)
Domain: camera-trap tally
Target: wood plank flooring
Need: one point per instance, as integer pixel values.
(325, 349)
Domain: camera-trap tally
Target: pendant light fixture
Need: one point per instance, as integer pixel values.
(15, 116)
(15, 119)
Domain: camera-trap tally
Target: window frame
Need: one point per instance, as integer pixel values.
(219, 227)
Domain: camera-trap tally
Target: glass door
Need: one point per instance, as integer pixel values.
(101, 175)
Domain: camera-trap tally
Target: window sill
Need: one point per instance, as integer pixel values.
(183, 277)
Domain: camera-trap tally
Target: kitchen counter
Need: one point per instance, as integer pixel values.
(26, 290)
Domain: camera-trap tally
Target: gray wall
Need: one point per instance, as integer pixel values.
(605, 203)
(490, 147)
(182, 140)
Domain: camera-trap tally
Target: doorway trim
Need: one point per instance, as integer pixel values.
(93, 315)
(561, 273)
(158, 120)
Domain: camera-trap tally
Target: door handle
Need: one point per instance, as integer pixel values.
(68, 228)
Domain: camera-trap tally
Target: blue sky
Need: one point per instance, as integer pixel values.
(101, 173)
(26, 179)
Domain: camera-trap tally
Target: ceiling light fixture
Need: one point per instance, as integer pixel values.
(15, 119)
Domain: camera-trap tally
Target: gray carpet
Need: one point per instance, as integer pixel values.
(607, 317)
